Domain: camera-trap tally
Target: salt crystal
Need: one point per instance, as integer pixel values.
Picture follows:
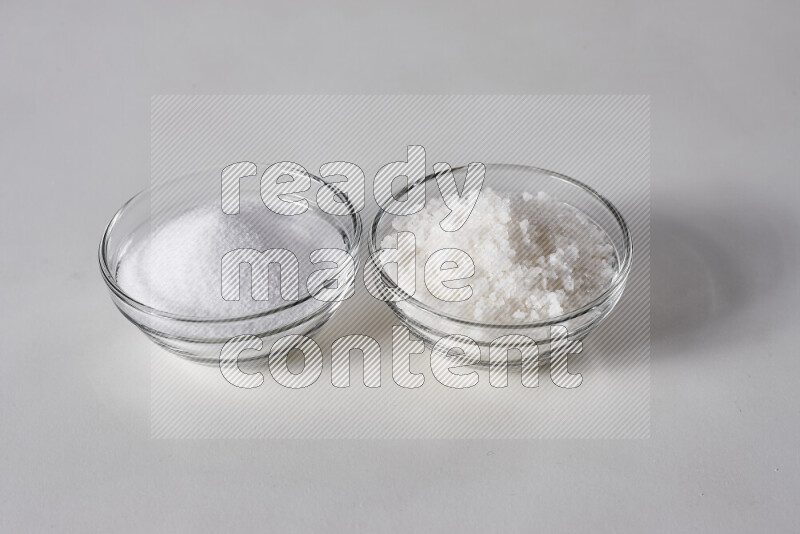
(178, 269)
(554, 260)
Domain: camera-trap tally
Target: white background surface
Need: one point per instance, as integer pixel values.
(75, 87)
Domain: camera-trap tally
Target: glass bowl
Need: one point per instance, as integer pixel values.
(431, 324)
(200, 335)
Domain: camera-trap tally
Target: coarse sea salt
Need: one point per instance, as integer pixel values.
(535, 257)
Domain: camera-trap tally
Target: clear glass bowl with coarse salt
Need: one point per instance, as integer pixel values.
(549, 253)
(161, 258)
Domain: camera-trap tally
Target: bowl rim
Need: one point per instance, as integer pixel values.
(120, 293)
(619, 278)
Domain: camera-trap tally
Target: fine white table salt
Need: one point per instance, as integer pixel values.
(178, 269)
(535, 257)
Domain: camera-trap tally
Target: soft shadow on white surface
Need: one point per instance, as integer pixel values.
(714, 268)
